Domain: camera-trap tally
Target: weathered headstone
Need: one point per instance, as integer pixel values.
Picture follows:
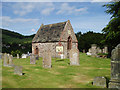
(94, 49)
(18, 56)
(47, 59)
(32, 59)
(10, 60)
(18, 70)
(83, 50)
(99, 50)
(74, 56)
(100, 81)
(6, 61)
(115, 68)
(105, 49)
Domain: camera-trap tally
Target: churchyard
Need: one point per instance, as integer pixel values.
(60, 75)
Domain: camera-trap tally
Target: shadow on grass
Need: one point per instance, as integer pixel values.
(59, 60)
(23, 73)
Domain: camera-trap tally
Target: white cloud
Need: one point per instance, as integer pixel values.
(100, 0)
(56, 0)
(65, 8)
(8, 21)
(25, 8)
(47, 11)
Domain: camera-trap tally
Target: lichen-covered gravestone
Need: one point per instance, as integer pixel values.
(32, 59)
(74, 56)
(115, 68)
(47, 59)
(18, 70)
(100, 81)
(10, 60)
(6, 61)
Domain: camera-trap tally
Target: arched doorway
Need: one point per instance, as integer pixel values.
(69, 43)
(36, 50)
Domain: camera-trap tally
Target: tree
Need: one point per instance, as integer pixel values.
(86, 39)
(112, 30)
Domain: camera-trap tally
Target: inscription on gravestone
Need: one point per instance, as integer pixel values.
(74, 56)
(115, 68)
(47, 59)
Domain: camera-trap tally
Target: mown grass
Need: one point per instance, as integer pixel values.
(61, 75)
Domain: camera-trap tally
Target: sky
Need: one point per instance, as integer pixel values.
(26, 17)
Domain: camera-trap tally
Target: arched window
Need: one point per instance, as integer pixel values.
(69, 43)
(36, 50)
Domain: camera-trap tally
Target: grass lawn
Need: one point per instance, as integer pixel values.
(61, 75)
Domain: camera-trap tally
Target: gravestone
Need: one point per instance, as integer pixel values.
(32, 59)
(6, 61)
(115, 68)
(105, 49)
(74, 56)
(18, 70)
(94, 49)
(47, 59)
(18, 56)
(100, 81)
(83, 50)
(99, 50)
(10, 60)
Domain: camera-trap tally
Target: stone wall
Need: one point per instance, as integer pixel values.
(52, 47)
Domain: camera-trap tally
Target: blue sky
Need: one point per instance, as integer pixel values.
(26, 17)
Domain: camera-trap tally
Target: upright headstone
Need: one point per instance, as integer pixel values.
(47, 59)
(90, 51)
(18, 70)
(105, 49)
(32, 59)
(74, 56)
(18, 56)
(10, 60)
(100, 81)
(94, 49)
(83, 50)
(99, 50)
(115, 68)
(6, 60)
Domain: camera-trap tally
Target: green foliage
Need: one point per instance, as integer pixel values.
(14, 53)
(16, 41)
(86, 39)
(112, 30)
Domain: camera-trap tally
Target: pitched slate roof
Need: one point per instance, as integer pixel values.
(51, 32)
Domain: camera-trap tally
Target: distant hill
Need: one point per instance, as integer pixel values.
(14, 37)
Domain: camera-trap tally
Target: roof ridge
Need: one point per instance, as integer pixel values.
(54, 23)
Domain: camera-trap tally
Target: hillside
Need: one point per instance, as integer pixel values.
(14, 37)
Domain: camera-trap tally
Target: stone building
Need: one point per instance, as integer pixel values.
(58, 37)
